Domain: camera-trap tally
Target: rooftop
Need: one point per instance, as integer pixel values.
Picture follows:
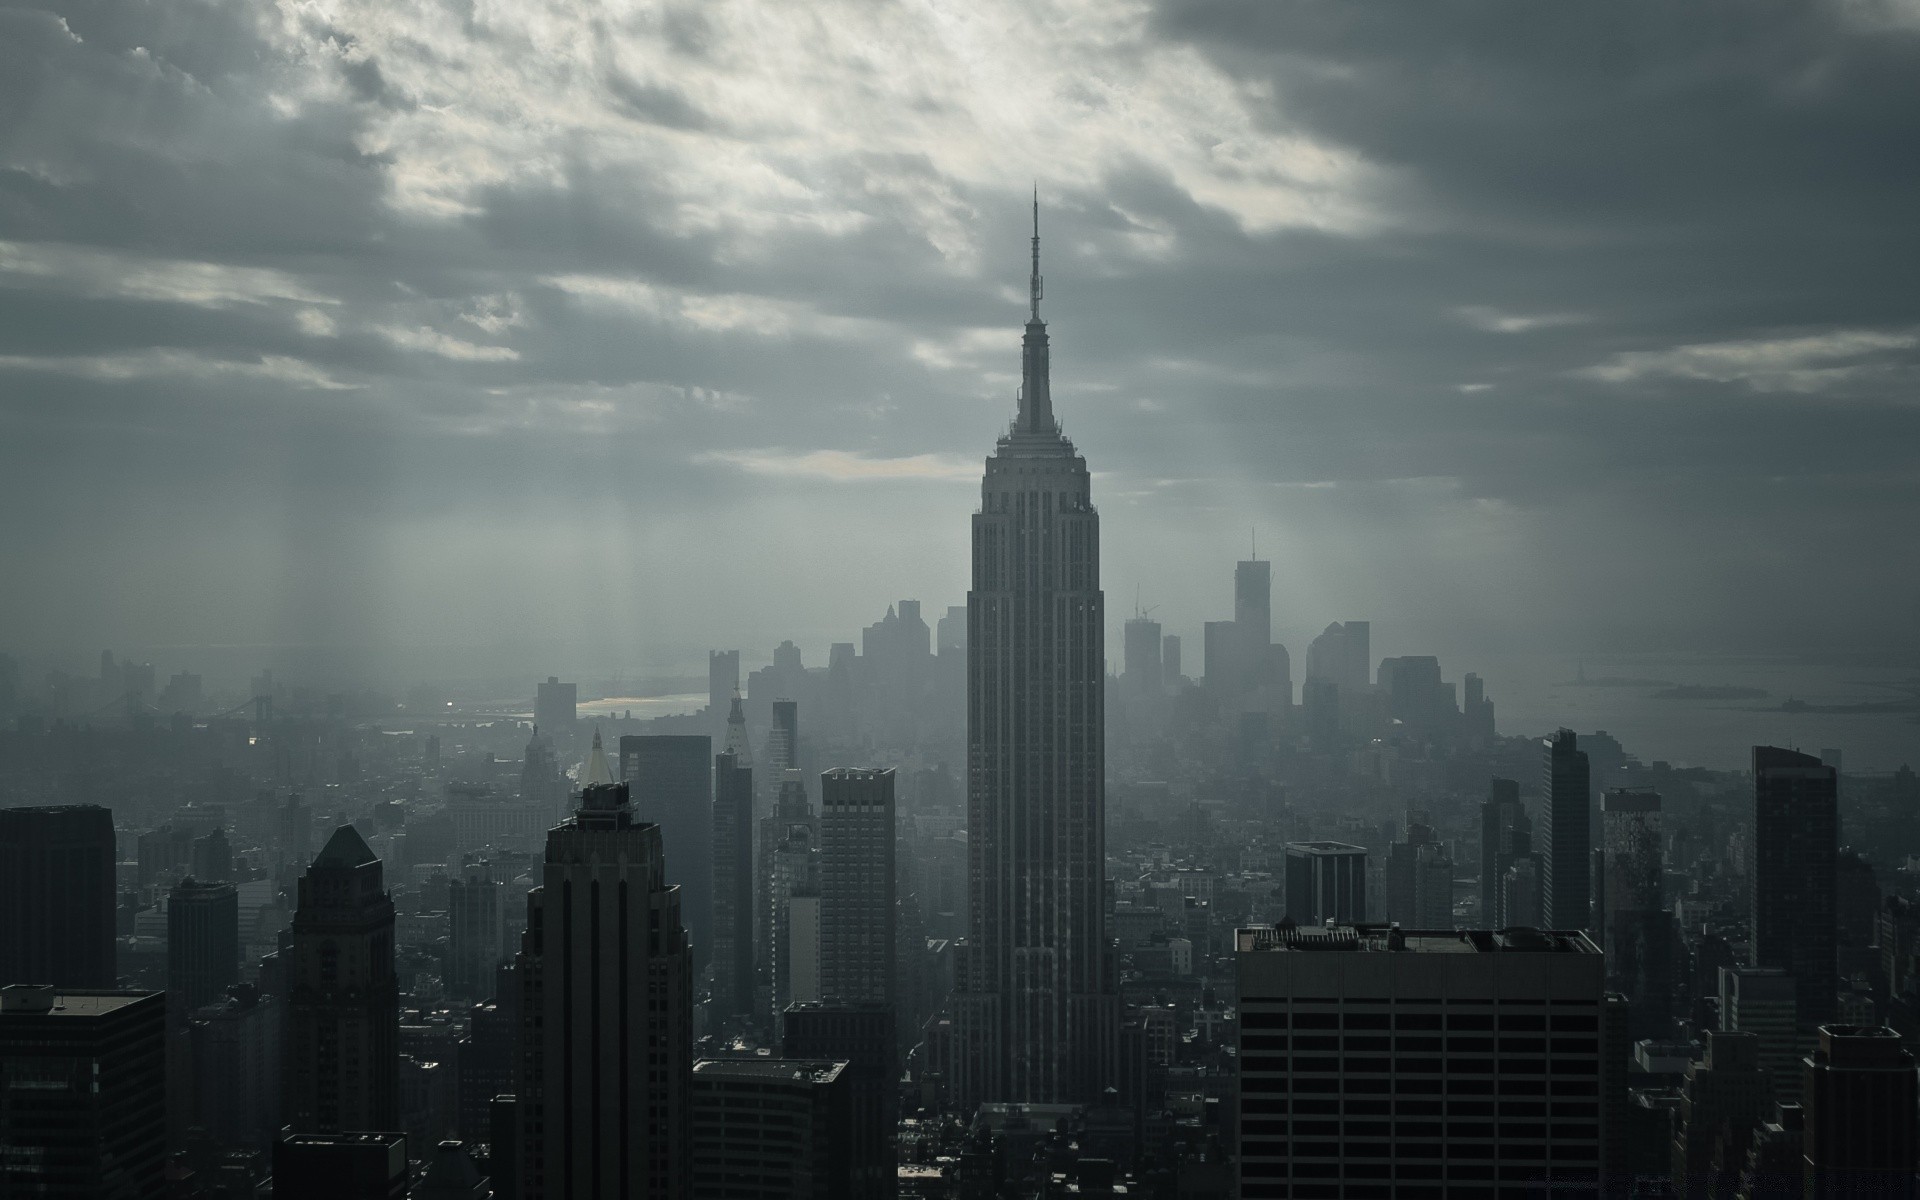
(816, 1070)
(1326, 848)
(26, 999)
(1393, 939)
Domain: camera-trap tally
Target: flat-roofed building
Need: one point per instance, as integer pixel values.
(771, 1129)
(1376, 1061)
(82, 1093)
(1326, 881)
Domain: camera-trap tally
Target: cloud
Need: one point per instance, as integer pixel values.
(561, 290)
(1812, 363)
(841, 466)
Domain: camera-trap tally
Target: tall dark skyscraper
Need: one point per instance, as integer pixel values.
(342, 1070)
(1796, 830)
(670, 778)
(82, 1094)
(56, 896)
(733, 870)
(857, 925)
(1863, 1115)
(607, 1014)
(1037, 1007)
(1566, 827)
(1505, 834)
(1636, 928)
(203, 945)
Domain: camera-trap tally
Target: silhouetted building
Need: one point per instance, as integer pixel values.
(1763, 1001)
(1326, 881)
(1506, 835)
(606, 1012)
(57, 896)
(771, 1129)
(671, 782)
(733, 878)
(477, 921)
(1566, 851)
(1170, 657)
(342, 1070)
(1795, 838)
(1368, 1055)
(723, 682)
(1636, 928)
(1142, 664)
(340, 1166)
(556, 707)
(1863, 1115)
(863, 1036)
(1725, 1096)
(1419, 880)
(857, 919)
(203, 945)
(783, 739)
(1037, 1009)
(82, 1093)
(236, 1049)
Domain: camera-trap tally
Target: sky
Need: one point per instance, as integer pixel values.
(613, 332)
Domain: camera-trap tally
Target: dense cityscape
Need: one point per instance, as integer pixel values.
(987, 600)
(970, 911)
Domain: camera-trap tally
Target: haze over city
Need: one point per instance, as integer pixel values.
(623, 333)
(900, 600)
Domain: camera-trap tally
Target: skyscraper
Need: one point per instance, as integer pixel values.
(1636, 929)
(1795, 841)
(203, 945)
(1038, 1009)
(670, 778)
(771, 1129)
(56, 896)
(783, 739)
(556, 708)
(857, 940)
(82, 1094)
(607, 1014)
(342, 1070)
(1253, 601)
(733, 870)
(1142, 667)
(1505, 834)
(1863, 1115)
(1566, 853)
(723, 682)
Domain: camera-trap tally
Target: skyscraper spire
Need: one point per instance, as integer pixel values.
(1036, 400)
(1037, 285)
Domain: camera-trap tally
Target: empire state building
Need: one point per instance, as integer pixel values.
(1036, 1012)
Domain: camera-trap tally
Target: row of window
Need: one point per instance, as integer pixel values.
(1563, 1021)
(1421, 1043)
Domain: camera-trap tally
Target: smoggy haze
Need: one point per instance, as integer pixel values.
(456, 323)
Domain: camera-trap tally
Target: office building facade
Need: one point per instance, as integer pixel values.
(82, 1093)
(670, 778)
(1326, 881)
(858, 943)
(57, 896)
(1796, 829)
(1566, 851)
(1381, 1062)
(770, 1129)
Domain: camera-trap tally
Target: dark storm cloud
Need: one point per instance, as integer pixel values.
(1504, 320)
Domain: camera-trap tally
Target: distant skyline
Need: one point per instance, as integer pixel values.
(1507, 328)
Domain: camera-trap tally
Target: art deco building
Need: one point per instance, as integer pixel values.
(606, 1012)
(1036, 1006)
(342, 1070)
